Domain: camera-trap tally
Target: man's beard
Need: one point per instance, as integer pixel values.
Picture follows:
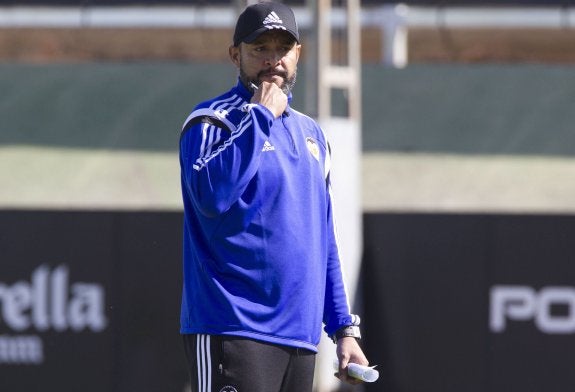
(287, 85)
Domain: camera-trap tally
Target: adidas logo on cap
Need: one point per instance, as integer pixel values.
(272, 18)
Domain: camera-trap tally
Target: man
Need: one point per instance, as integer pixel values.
(261, 264)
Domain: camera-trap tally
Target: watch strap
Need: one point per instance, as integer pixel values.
(347, 331)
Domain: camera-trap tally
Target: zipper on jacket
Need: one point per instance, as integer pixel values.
(289, 135)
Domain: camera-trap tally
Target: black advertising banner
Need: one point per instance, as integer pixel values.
(532, 305)
(470, 302)
(89, 301)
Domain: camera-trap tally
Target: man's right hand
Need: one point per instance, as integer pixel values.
(272, 97)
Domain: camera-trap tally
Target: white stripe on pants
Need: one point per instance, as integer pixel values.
(204, 359)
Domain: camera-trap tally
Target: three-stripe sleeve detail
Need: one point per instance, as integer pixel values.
(209, 155)
(212, 134)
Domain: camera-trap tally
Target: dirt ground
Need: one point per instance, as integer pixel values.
(173, 44)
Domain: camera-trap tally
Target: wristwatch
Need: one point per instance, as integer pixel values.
(348, 331)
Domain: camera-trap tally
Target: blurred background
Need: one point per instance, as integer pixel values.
(457, 182)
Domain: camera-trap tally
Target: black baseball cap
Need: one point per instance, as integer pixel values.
(261, 17)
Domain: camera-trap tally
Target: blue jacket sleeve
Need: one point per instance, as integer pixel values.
(218, 163)
(336, 305)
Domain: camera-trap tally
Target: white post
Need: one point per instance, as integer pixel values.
(344, 135)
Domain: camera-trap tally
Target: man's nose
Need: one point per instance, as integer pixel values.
(273, 58)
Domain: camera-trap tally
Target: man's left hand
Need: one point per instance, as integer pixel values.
(348, 351)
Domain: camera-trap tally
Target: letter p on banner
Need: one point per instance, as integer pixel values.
(513, 302)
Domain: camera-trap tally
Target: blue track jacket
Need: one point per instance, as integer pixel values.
(260, 253)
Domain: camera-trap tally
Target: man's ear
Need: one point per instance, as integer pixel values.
(234, 52)
(298, 51)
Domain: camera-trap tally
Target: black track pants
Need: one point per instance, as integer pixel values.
(232, 364)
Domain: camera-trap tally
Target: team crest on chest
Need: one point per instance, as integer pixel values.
(312, 147)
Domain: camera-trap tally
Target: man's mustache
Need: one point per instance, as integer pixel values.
(272, 72)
